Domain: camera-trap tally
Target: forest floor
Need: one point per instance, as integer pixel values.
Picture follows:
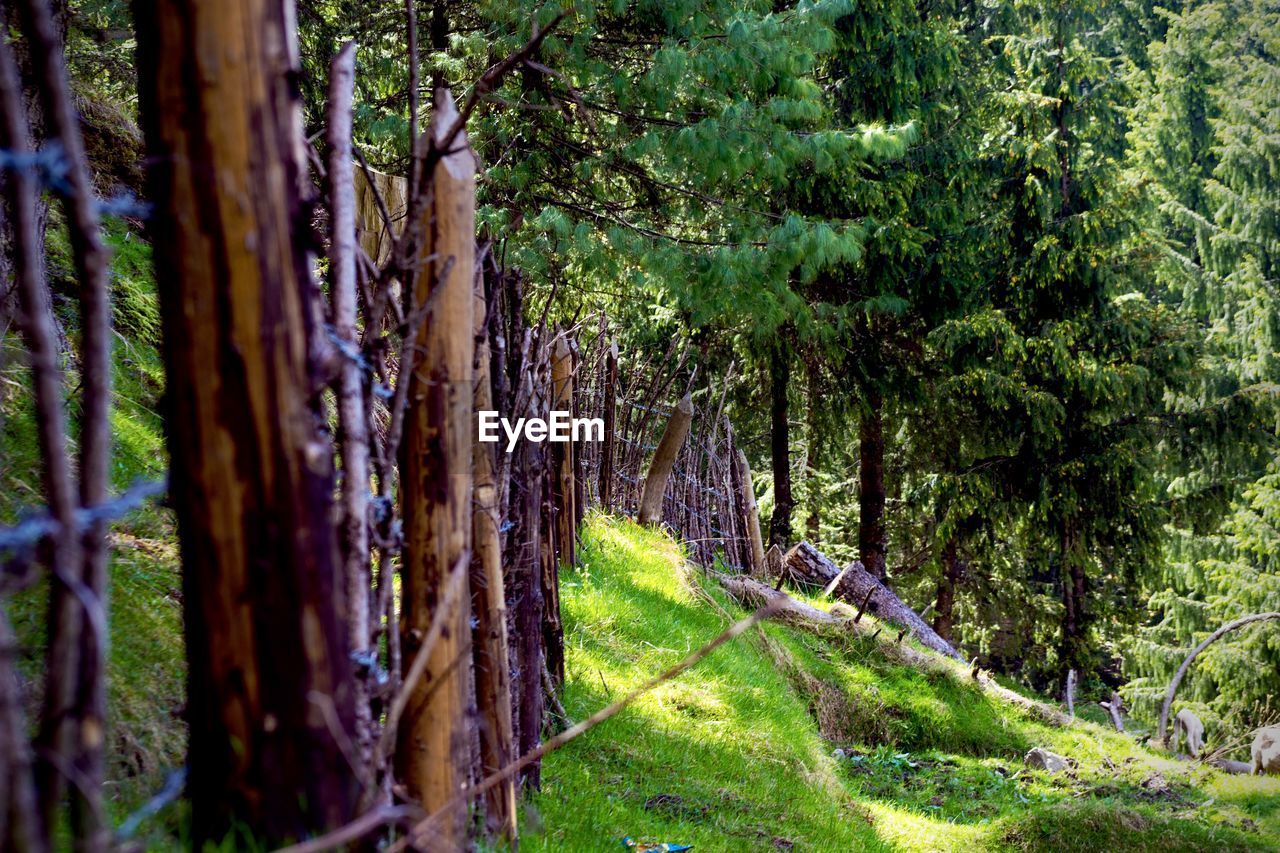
(739, 752)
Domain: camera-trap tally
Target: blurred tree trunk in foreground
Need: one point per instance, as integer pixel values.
(270, 701)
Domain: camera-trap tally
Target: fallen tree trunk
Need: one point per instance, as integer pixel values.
(856, 586)
(752, 593)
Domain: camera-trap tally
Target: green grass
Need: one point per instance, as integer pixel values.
(736, 754)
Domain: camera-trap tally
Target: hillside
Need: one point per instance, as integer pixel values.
(737, 753)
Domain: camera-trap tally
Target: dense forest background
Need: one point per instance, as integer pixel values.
(989, 291)
(1005, 272)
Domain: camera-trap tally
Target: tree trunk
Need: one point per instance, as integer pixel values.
(872, 544)
(1074, 642)
(948, 584)
(270, 700)
(664, 459)
(780, 447)
(433, 747)
(489, 609)
(813, 458)
(857, 586)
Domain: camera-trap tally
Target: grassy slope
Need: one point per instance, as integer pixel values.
(736, 754)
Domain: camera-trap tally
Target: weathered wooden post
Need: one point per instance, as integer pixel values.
(610, 417)
(565, 493)
(552, 626)
(489, 650)
(750, 515)
(433, 748)
(270, 705)
(524, 548)
(664, 458)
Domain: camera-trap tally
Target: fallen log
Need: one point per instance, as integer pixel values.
(856, 586)
(753, 594)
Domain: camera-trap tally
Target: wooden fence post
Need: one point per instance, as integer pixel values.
(750, 515)
(565, 492)
(524, 549)
(610, 417)
(655, 483)
(251, 476)
(552, 514)
(488, 607)
(433, 742)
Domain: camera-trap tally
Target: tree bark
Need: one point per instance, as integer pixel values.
(524, 547)
(780, 447)
(872, 541)
(490, 655)
(858, 587)
(948, 584)
(433, 746)
(270, 700)
(664, 459)
(1072, 652)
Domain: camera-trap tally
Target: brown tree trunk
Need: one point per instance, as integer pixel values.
(433, 746)
(948, 584)
(488, 606)
(872, 544)
(780, 447)
(664, 459)
(270, 700)
(813, 459)
(856, 586)
(1074, 628)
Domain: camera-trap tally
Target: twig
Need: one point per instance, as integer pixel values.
(862, 607)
